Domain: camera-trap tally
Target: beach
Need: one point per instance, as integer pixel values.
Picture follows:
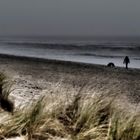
(30, 77)
(62, 84)
(69, 70)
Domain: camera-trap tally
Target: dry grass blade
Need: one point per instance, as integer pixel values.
(83, 118)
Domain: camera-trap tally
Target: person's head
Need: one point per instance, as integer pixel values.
(126, 57)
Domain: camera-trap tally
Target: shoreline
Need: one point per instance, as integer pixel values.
(43, 60)
(63, 62)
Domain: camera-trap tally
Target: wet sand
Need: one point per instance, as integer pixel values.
(32, 77)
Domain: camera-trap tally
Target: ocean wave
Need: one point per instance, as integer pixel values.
(106, 56)
(65, 46)
(99, 55)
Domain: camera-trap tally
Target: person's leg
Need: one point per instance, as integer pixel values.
(126, 65)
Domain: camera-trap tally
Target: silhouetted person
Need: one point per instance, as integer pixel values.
(126, 61)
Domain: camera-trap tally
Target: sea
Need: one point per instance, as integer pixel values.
(92, 50)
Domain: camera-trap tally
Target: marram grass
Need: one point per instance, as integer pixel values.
(54, 117)
(81, 119)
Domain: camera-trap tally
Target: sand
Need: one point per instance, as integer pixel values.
(33, 77)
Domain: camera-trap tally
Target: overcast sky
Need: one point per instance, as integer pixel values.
(70, 17)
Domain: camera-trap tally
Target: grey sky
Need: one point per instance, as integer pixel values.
(70, 17)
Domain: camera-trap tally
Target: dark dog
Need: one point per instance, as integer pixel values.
(111, 64)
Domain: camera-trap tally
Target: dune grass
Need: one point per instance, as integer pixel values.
(80, 117)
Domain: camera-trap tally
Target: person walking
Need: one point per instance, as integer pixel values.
(126, 61)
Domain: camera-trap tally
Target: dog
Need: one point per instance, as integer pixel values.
(111, 65)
